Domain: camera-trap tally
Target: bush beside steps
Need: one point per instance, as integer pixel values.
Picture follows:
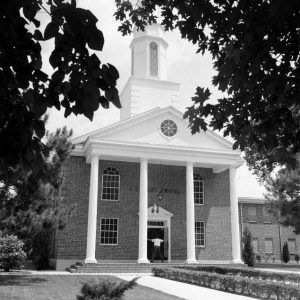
(233, 284)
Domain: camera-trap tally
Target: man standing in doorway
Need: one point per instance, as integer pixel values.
(156, 249)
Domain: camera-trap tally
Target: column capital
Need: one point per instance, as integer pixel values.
(144, 159)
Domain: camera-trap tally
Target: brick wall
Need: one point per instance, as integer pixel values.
(215, 212)
(264, 225)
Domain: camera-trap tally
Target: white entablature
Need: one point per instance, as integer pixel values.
(142, 136)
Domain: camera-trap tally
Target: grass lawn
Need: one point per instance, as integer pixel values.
(29, 287)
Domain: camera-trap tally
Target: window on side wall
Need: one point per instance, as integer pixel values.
(269, 246)
(109, 231)
(200, 233)
(292, 246)
(110, 184)
(255, 245)
(198, 189)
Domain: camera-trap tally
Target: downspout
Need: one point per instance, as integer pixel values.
(279, 233)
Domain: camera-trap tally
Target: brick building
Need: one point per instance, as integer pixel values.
(147, 176)
(268, 236)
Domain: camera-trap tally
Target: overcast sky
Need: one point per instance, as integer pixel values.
(184, 66)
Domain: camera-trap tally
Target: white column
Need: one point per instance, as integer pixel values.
(143, 212)
(92, 215)
(190, 214)
(235, 228)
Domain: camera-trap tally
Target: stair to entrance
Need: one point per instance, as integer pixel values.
(117, 267)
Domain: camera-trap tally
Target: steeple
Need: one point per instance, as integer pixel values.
(148, 87)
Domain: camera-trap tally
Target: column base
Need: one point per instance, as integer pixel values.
(143, 261)
(191, 261)
(90, 261)
(237, 261)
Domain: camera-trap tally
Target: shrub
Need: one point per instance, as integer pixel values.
(285, 253)
(11, 252)
(105, 290)
(234, 284)
(297, 258)
(248, 253)
(258, 258)
(245, 272)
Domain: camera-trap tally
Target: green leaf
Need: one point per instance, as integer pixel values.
(39, 128)
(38, 35)
(39, 108)
(30, 11)
(113, 96)
(51, 31)
(96, 40)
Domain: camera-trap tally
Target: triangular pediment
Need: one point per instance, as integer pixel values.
(157, 212)
(145, 129)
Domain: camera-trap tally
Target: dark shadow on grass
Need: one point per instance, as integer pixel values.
(19, 280)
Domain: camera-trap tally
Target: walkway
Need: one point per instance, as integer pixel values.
(182, 290)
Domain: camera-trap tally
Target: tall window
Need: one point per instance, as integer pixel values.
(110, 184)
(292, 246)
(109, 231)
(255, 245)
(198, 189)
(200, 233)
(269, 246)
(153, 59)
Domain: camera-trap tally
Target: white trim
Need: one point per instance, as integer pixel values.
(162, 215)
(112, 231)
(119, 187)
(252, 200)
(201, 179)
(204, 225)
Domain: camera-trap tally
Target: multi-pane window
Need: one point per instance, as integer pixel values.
(153, 59)
(251, 211)
(198, 189)
(110, 184)
(109, 231)
(269, 246)
(255, 245)
(156, 223)
(292, 246)
(200, 233)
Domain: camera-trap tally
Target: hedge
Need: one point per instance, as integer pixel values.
(258, 274)
(232, 284)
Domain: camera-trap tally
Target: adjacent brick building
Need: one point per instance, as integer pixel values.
(268, 236)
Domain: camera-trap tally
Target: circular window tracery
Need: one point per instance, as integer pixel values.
(168, 128)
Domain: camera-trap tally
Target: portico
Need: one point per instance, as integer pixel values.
(95, 149)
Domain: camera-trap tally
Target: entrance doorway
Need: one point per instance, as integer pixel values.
(161, 233)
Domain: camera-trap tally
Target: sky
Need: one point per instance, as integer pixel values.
(184, 66)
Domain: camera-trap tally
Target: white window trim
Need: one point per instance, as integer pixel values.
(119, 187)
(117, 232)
(203, 190)
(269, 239)
(204, 225)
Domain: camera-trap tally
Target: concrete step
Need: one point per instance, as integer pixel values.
(117, 267)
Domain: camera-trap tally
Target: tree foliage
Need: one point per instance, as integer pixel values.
(285, 253)
(34, 205)
(79, 83)
(255, 48)
(248, 253)
(283, 194)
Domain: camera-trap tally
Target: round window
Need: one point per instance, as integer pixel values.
(168, 128)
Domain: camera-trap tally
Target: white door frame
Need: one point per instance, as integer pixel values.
(161, 215)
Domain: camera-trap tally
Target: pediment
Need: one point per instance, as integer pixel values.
(146, 129)
(157, 212)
